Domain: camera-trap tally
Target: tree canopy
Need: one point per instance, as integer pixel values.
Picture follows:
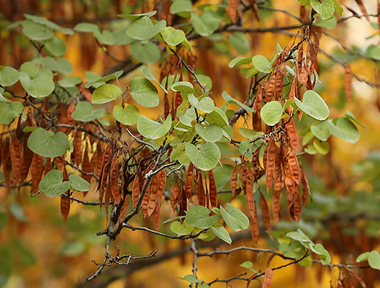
(206, 143)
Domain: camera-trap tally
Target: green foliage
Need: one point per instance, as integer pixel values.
(47, 143)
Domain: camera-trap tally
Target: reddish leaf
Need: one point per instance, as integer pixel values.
(292, 133)
(36, 171)
(232, 10)
(270, 162)
(47, 166)
(77, 147)
(189, 181)
(268, 278)
(174, 195)
(65, 206)
(265, 211)
(234, 180)
(213, 192)
(115, 178)
(14, 150)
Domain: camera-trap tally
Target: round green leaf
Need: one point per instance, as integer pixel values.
(48, 144)
(55, 46)
(144, 92)
(374, 260)
(86, 27)
(362, 257)
(36, 32)
(29, 68)
(145, 52)
(183, 86)
(69, 81)
(106, 37)
(271, 113)
(180, 228)
(83, 112)
(65, 66)
(52, 184)
(172, 36)
(9, 76)
(127, 115)
(41, 86)
(313, 105)
(210, 133)
(298, 236)
(325, 9)
(321, 131)
(261, 63)
(239, 61)
(181, 6)
(199, 217)
(105, 93)
(78, 183)
(321, 147)
(204, 156)
(322, 252)
(234, 218)
(10, 111)
(240, 42)
(152, 129)
(205, 24)
(143, 28)
(344, 129)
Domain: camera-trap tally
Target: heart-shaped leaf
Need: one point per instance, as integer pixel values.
(53, 185)
(172, 36)
(313, 105)
(105, 93)
(145, 52)
(143, 28)
(271, 113)
(10, 111)
(48, 144)
(199, 217)
(204, 156)
(144, 92)
(234, 218)
(152, 129)
(261, 63)
(127, 115)
(344, 129)
(78, 183)
(42, 85)
(9, 76)
(83, 112)
(210, 133)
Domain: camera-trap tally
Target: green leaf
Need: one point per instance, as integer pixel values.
(172, 36)
(181, 6)
(52, 184)
(41, 86)
(105, 94)
(199, 217)
(218, 117)
(145, 52)
(344, 129)
(234, 218)
(48, 144)
(151, 77)
(207, 235)
(86, 27)
(261, 63)
(106, 37)
(362, 257)
(61, 65)
(321, 131)
(10, 111)
(36, 32)
(239, 61)
(143, 28)
(351, 116)
(180, 228)
(136, 16)
(313, 105)
(298, 236)
(29, 68)
(328, 24)
(192, 279)
(183, 87)
(49, 24)
(321, 147)
(70, 81)
(205, 24)
(144, 92)
(230, 99)
(205, 105)
(9, 76)
(210, 133)
(55, 46)
(240, 42)
(78, 183)
(325, 9)
(374, 260)
(271, 113)
(204, 156)
(83, 112)
(222, 233)
(152, 129)
(73, 248)
(322, 252)
(18, 212)
(249, 133)
(127, 115)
